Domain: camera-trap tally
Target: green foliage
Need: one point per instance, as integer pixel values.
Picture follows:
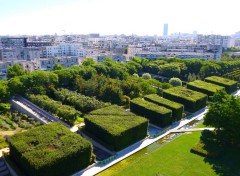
(192, 100)
(4, 107)
(50, 150)
(234, 75)
(63, 112)
(170, 70)
(57, 66)
(3, 143)
(112, 110)
(80, 102)
(224, 115)
(118, 132)
(230, 85)
(15, 70)
(204, 87)
(175, 82)
(4, 91)
(146, 76)
(177, 109)
(156, 114)
(89, 62)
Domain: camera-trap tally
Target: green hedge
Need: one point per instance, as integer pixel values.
(230, 85)
(112, 110)
(80, 102)
(64, 112)
(192, 100)
(157, 115)
(50, 150)
(118, 132)
(177, 109)
(204, 87)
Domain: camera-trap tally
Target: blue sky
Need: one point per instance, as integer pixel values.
(141, 17)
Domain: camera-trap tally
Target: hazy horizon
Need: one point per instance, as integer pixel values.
(140, 17)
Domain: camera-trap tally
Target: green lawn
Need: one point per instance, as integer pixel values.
(175, 159)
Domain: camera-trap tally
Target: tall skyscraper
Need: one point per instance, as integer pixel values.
(165, 30)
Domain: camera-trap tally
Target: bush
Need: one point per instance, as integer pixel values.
(192, 100)
(118, 132)
(175, 82)
(230, 85)
(80, 102)
(50, 150)
(204, 87)
(64, 112)
(177, 109)
(146, 76)
(157, 115)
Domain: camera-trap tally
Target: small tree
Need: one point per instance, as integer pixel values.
(175, 82)
(146, 76)
(57, 66)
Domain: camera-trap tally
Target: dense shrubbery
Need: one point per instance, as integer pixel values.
(157, 115)
(50, 150)
(204, 87)
(80, 102)
(234, 75)
(64, 112)
(177, 109)
(117, 132)
(230, 85)
(192, 100)
(112, 110)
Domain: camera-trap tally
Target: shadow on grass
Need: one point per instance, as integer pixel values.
(227, 158)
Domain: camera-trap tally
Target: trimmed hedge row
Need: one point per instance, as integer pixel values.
(156, 114)
(177, 109)
(230, 85)
(80, 102)
(112, 110)
(50, 149)
(63, 112)
(118, 132)
(192, 100)
(204, 87)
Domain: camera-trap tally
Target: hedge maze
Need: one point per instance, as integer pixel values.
(230, 85)
(50, 149)
(177, 109)
(204, 87)
(156, 114)
(117, 132)
(192, 100)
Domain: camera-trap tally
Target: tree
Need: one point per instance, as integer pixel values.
(175, 82)
(15, 70)
(89, 62)
(224, 115)
(57, 66)
(170, 70)
(146, 76)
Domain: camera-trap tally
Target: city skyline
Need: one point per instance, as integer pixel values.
(28, 17)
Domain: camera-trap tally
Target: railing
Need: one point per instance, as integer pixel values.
(107, 160)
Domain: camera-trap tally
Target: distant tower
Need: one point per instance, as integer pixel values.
(165, 30)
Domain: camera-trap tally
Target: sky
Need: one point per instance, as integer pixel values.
(107, 17)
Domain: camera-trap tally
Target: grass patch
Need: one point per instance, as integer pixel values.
(3, 143)
(175, 159)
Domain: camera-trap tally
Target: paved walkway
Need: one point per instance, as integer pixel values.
(138, 146)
